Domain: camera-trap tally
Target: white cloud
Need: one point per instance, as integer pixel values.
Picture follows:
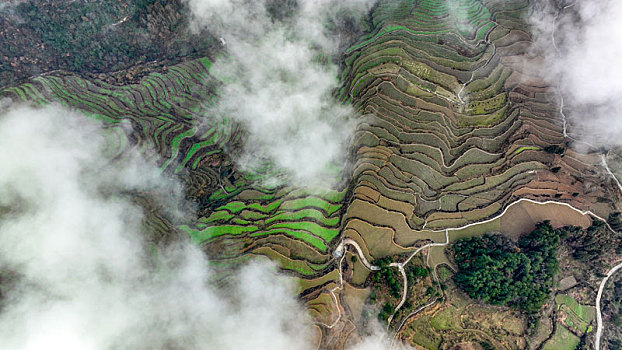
(279, 87)
(459, 16)
(6, 6)
(86, 279)
(584, 63)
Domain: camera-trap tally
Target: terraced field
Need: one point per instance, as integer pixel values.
(457, 127)
(454, 129)
(161, 113)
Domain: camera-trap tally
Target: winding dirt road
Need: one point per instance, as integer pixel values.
(339, 253)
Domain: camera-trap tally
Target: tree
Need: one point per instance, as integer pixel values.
(497, 270)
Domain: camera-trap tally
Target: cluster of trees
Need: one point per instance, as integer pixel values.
(592, 244)
(615, 303)
(386, 312)
(414, 271)
(499, 271)
(597, 242)
(82, 33)
(92, 35)
(388, 276)
(612, 307)
(614, 221)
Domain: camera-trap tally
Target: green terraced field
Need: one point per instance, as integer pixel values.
(163, 111)
(313, 220)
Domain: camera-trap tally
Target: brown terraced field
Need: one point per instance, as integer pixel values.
(454, 129)
(457, 128)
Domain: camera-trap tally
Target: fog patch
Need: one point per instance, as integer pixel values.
(581, 43)
(8, 7)
(280, 77)
(84, 278)
(459, 16)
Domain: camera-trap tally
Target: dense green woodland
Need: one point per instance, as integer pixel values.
(499, 271)
(591, 245)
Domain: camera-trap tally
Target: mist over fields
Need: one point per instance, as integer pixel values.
(280, 80)
(582, 46)
(82, 276)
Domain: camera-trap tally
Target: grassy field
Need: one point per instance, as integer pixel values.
(461, 319)
(563, 339)
(578, 317)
